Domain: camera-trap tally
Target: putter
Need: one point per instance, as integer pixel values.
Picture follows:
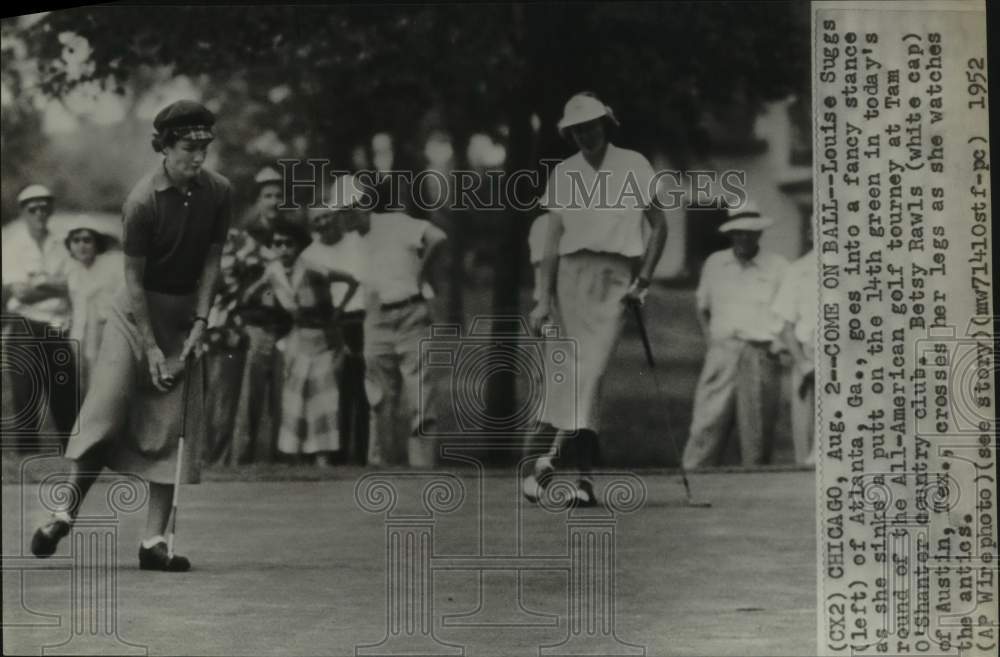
(656, 382)
(172, 521)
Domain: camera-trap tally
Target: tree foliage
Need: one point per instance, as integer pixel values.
(353, 69)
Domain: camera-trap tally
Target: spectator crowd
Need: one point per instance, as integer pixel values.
(299, 368)
(312, 340)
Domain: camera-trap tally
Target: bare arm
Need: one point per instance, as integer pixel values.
(704, 318)
(255, 287)
(788, 336)
(547, 272)
(209, 279)
(42, 291)
(206, 290)
(657, 241)
(135, 267)
(433, 238)
(550, 257)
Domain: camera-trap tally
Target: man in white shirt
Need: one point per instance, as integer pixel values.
(398, 252)
(35, 267)
(796, 303)
(741, 372)
(336, 248)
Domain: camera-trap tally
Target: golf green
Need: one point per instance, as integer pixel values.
(300, 568)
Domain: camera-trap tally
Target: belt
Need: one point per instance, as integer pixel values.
(353, 316)
(395, 305)
(313, 323)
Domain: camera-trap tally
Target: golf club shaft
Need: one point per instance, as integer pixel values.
(656, 382)
(172, 523)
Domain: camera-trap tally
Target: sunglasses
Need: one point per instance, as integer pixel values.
(279, 243)
(37, 209)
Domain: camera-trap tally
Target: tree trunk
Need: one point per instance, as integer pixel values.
(511, 258)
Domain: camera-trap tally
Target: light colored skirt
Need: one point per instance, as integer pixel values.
(310, 396)
(125, 423)
(589, 311)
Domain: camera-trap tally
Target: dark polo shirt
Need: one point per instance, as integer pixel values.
(173, 229)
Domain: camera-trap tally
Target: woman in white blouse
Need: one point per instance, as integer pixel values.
(97, 273)
(595, 261)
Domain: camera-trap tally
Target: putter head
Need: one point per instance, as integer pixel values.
(699, 504)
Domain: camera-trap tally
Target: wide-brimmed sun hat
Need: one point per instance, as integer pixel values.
(581, 108)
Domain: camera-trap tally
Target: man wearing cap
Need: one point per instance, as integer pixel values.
(398, 253)
(333, 247)
(174, 224)
(35, 269)
(255, 389)
(796, 304)
(741, 372)
(595, 261)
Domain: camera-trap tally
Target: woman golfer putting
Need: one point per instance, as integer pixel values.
(594, 263)
(174, 224)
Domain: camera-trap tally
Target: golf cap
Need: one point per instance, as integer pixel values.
(33, 193)
(581, 108)
(268, 175)
(747, 217)
(186, 119)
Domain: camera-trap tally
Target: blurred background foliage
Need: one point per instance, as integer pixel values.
(315, 81)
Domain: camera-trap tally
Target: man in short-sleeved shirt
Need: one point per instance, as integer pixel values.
(398, 253)
(398, 249)
(737, 296)
(393, 259)
(738, 384)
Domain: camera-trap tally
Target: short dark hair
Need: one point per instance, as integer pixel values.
(164, 139)
(102, 242)
(288, 227)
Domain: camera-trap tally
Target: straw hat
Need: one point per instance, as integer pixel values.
(746, 217)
